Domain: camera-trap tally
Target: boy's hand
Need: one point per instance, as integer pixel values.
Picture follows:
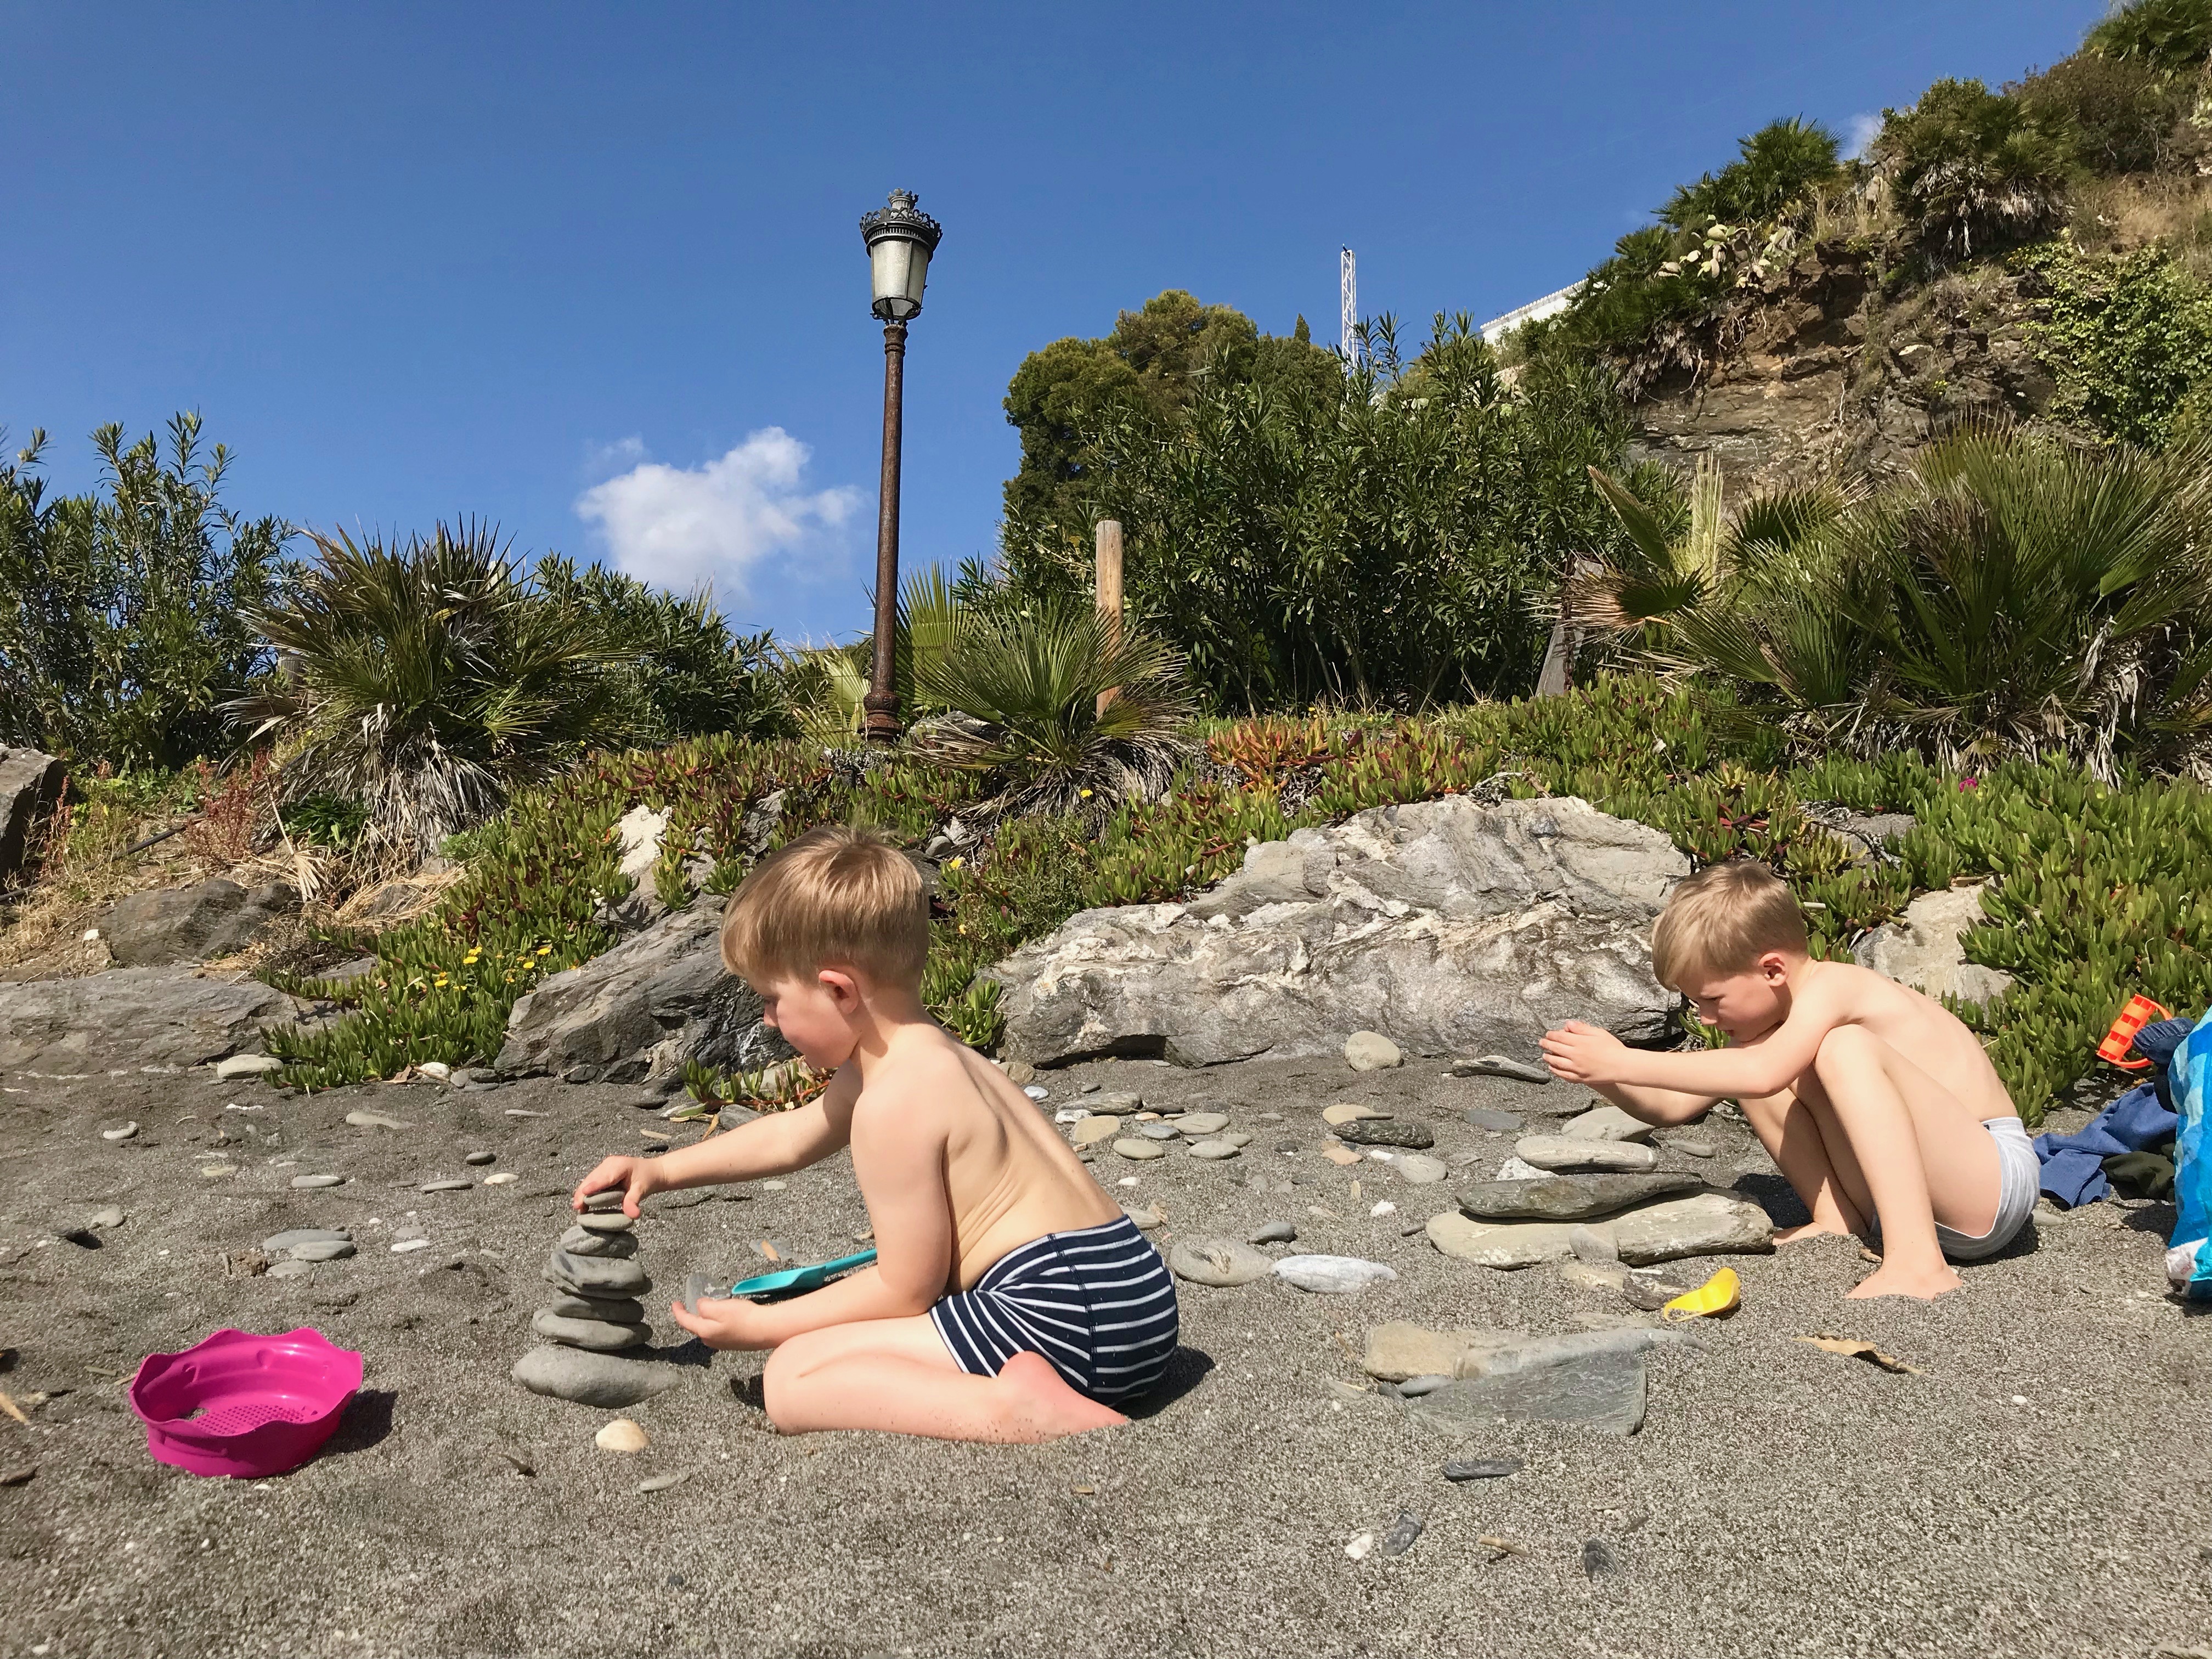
(1581, 1053)
(725, 1322)
(635, 1175)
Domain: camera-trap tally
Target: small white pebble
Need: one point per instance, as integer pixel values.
(2019, 1400)
(772, 1186)
(161, 1253)
(501, 1179)
(1358, 1548)
(1381, 1156)
(1385, 1207)
(1127, 1181)
(90, 934)
(407, 1244)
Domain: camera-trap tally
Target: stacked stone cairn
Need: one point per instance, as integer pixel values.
(595, 1268)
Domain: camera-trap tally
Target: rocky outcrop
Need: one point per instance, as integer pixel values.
(1449, 926)
(132, 1019)
(642, 1009)
(208, 919)
(1922, 949)
(29, 780)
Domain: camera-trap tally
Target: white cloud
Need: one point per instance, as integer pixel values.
(1859, 133)
(676, 528)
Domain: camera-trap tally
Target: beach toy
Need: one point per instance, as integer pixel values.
(2132, 1018)
(244, 1406)
(792, 1281)
(1718, 1295)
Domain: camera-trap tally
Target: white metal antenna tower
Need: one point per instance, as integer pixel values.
(1347, 281)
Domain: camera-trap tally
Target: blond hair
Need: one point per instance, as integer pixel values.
(1721, 921)
(836, 895)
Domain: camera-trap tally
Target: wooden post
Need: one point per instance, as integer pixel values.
(1106, 569)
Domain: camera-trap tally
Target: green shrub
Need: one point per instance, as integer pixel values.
(122, 630)
(1972, 169)
(2116, 116)
(1776, 167)
(2171, 35)
(2126, 339)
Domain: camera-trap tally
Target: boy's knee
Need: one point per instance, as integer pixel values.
(778, 1378)
(1846, 1045)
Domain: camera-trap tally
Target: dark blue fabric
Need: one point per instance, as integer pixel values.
(2073, 1165)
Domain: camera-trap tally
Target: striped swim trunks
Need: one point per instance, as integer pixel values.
(1097, 1303)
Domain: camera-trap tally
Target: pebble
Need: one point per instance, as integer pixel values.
(501, 1179)
(1387, 1133)
(600, 1275)
(601, 1202)
(1483, 1468)
(617, 1246)
(1146, 1218)
(1274, 1233)
(1358, 1549)
(1333, 1276)
(1593, 1276)
(1287, 1146)
(605, 1379)
(1199, 1124)
(480, 1158)
(1402, 1534)
(621, 1436)
(246, 1066)
(1690, 1146)
(375, 1121)
(1601, 1557)
(323, 1249)
(1090, 1088)
(1221, 1262)
(663, 1482)
(601, 1221)
(446, 1186)
(305, 1183)
(216, 1171)
(1414, 1387)
(1092, 1130)
(1419, 1169)
(1499, 1066)
(1348, 1113)
(1371, 1051)
(1498, 1122)
(1384, 1207)
(290, 1268)
(1118, 1105)
(1160, 1131)
(1213, 1151)
(1067, 1114)
(1035, 1093)
(406, 1245)
(110, 1217)
(1139, 1151)
(773, 1186)
(614, 1310)
(1236, 1137)
(593, 1336)
(278, 1243)
(122, 1133)
(1591, 1246)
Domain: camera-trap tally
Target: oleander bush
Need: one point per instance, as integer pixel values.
(2097, 890)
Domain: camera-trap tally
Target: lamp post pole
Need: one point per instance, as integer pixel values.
(900, 239)
(882, 701)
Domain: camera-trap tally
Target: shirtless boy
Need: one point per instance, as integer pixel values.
(1011, 1299)
(1875, 1103)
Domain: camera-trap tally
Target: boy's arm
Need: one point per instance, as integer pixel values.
(1588, 1054)
(1659, 1106)
(901, 1145)
(775, 1143)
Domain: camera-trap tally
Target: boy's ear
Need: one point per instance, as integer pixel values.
(1773, 967)
(844, 987)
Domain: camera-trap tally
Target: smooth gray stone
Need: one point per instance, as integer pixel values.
(1199, 1125)
(1212, 1151)
(608, 1310)
(1221, 1262)
(1519, 1071)
(593, 1221)
(593, 1379)
(323, 1249)
(1606, 1121)
(308, 1181)
(1414, 1387)
(1384, 1132)
(1137, 1151)
(110, 1217)
(1499, 1123)
(1703, 1223)
(579, 1241)
(1601, 1557)
(1604, 1390)
(1419, 1169)
(600, 1202)
(1593, 1247)
(278, 1243)
(290, 1268)
(1332, 1275)
(1160, 1131)
(1402, 1534)
(1690, 1146)
(1274, 1233)
(1569, 1152)
(1115, 1105)
(448, 1186)
(1570, 1197)
(588, 1333)
(480, 1158)
(1488, 1468)
(1651, 1292)
(600, 1276)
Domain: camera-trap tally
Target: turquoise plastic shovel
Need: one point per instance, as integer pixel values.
(791, 1281)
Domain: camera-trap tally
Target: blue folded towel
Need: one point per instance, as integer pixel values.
(2138, 1122)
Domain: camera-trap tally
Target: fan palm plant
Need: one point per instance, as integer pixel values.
(1062, 704)
(426, 681)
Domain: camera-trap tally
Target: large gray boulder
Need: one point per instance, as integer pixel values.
(642, 1009)
(29, 780)
(131, 1020)
(212, 918)
(1449, 926)
(1922, 947)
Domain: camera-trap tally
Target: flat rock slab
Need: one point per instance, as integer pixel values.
(1139, 1151)
(1519, 1071)
(596, 1275)
(1506, 1244)
(1333, 1276)
(1090, 1131)
(1116, 1104)
(1214, 1150)
(1463, 928)
(1222, 1262)
(605, 1379)
(1349, 1112)
(1198, 1125)
(615, 1311)
(1710, 1223)
(1559, 1153)
(278, 1243)
(1401, 1349)
(1568, 1197)
(590, 1334)
(1496, 1122)
(131, 1020)
(1606, 1392)
(1384, 1132)
(212, 918)
(1606, 1123)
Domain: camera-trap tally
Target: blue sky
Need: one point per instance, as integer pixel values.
(594, 273)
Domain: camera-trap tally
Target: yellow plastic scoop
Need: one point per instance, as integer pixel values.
(1718, 1295)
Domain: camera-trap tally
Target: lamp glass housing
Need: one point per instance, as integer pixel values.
(899, 269)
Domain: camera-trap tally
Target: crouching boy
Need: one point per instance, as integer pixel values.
(1011, 1299)
(1875, 1102)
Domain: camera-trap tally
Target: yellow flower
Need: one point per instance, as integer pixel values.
(954, 863)
(544, 950)
(1085, 795)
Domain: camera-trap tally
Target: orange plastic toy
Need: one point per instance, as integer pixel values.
(2122, 1036)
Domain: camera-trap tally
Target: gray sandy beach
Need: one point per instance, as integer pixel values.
(2040, 1488)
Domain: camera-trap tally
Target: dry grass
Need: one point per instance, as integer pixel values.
(2119, 216)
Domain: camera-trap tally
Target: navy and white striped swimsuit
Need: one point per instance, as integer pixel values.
(1097, 1303)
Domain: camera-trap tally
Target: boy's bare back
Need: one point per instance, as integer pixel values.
(1008, 1176)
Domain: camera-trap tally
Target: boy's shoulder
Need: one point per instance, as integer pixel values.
(922, 1067)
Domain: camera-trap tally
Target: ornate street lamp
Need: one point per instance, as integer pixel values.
(900, 239)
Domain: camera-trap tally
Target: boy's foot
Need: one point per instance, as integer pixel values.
(1895, 1281)
(1810, 1230)
(1045, 1406)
